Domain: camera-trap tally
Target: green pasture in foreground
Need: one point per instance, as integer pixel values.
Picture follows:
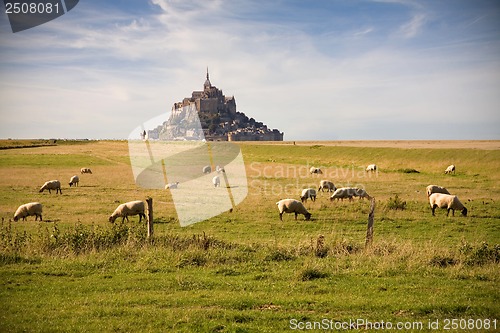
(246, 271)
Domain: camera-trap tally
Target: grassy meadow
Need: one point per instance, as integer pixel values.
(245, 270)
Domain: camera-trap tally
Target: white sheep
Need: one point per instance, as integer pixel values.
(308, 193)
(128, 209)
(314, 170)
(74, 181)
(371, 167)
(216, 181)
(342, 193)
(207, 169)
(446, 201)
(435, 189)
(218, 169)
(326, 184)
(51, 185)
(29, 209)
(450, 169)
(349, 192)
(292, 206)
(85, 170)
(171, 185)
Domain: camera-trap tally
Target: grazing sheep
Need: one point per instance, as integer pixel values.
(216, 181)
(436, 189)
(218, 169)
(342, 193)
(128, 209)
(361, 193)
(315, 170)
(450, 169)
(85, 170)
(171, 185)
(446, 201)
(308, 193)
(52, 185)
(292, 206)
(74, 181)
(349, 192)
(326, 184)
(29, 209)
(371, 167)
(207, 169)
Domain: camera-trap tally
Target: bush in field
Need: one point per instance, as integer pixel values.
(481, 255)
(408, 170)
(396, 203)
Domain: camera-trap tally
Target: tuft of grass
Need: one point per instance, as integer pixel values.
(309, 274)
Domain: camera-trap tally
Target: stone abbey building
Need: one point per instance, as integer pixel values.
(218, 120)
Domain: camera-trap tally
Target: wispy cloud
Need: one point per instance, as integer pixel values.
(414, 26)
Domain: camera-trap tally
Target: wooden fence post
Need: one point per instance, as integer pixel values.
(369, 228)
(149, 202)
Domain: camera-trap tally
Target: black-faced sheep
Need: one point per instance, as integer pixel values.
(85, 170)
(74, 181)
(128, 209)
(326, 185)
(308, 193)
(371, 167)
(450, 169)
(29, 209)
(446, 201)
(314, 170)
(435, 189)
(51, 185)
(292, 206)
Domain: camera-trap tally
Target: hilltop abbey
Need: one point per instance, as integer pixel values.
(218, 117)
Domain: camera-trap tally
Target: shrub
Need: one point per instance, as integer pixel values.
(396, 203)
(481, 255)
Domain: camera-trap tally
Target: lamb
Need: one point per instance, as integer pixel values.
(446, 201)
(315, 170)
(29, 209)
(292, 206)
(349, 192)
(326, 184)
(128, 209)
(308, 193)
(371, 167)
(85, 170)
(74, 181)
(207, 169)
(216, 181)
(52, 185)
(436, 189)
(450, 169)
(171, 185)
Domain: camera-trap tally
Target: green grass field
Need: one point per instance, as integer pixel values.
(246, 271)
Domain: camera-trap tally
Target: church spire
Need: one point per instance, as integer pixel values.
(207, 83)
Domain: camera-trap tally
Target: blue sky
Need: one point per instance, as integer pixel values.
(317, 70)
